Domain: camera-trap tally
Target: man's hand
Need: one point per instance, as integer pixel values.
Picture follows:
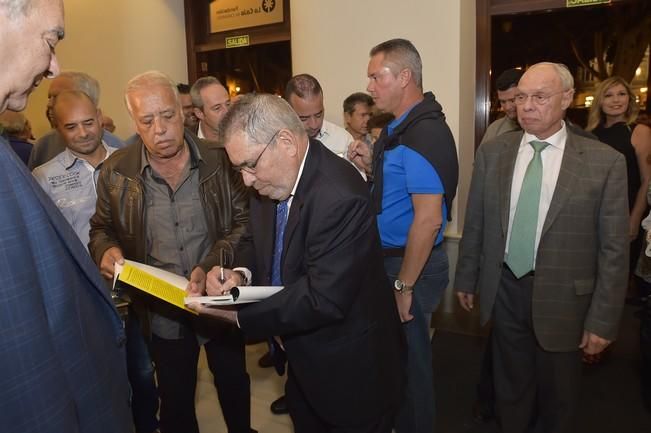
(197, 284)
(224, 314)
(359, 153)
(593, 344)
(466, 300)
(214, 284)
(107, 265)
(404, 305)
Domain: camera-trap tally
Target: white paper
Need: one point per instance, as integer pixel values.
(247, 294)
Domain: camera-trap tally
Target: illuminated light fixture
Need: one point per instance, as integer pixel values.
(643, 89)
(638, 72)
(237, 89)
(588, 101)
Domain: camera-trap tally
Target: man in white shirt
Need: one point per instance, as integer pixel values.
(545, 243)
(304, 94)
(70, 177)
(211, 101)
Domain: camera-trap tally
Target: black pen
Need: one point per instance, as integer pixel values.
(222, 278)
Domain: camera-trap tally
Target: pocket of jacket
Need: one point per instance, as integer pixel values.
(584, 287)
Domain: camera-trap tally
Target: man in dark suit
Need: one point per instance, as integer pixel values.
(545, 244)
(336, 316)
(61, 340)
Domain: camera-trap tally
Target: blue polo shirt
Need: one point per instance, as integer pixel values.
(406, 172)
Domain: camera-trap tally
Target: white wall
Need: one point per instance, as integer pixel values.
(331, 39)
(113, 41)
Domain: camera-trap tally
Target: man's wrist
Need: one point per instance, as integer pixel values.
(245, 275)
(402, 287)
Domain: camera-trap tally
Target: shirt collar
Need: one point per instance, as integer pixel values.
(300, 169)
(195, 155)
(557, 140)
(69, 159)
(324, 132)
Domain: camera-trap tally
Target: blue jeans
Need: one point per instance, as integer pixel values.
(144, 401)
(417, 413)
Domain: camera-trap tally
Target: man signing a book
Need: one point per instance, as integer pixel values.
(313, 231)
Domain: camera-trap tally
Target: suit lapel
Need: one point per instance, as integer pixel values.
(311, 166)
(571, 167)
(506, 165)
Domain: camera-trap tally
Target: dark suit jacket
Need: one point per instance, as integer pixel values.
(582, 259)
(337, 315)
(62, 359)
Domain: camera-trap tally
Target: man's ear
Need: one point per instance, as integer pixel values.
(288, 142)
(568, 97)
(347, 118)
(198, 113)
(404, 76)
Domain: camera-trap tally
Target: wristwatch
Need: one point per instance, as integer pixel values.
(402, 287)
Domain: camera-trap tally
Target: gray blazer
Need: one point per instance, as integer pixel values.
(582, 259)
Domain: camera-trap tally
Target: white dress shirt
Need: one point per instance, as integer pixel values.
(551, 156)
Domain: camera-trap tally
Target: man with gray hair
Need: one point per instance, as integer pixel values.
(52, 143)
(545, 242)
(62, 343)
(172, 201)
(211, 101)
(312, 231)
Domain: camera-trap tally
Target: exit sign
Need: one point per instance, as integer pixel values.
(574, 3)
(237, 41)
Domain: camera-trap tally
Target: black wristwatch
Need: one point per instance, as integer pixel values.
(402, 287)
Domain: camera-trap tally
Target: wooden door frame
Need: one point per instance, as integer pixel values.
(486, 10)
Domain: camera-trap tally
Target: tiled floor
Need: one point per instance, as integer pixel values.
(266, 386)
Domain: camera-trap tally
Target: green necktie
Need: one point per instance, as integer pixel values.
(522, 243)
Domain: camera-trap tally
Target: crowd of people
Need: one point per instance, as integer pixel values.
(264, 191)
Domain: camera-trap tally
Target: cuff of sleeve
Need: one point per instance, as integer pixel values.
(247, 277)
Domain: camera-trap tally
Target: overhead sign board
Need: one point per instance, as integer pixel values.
(228, 15)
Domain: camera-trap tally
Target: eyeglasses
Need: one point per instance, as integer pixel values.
(537, 99)
(249, 167)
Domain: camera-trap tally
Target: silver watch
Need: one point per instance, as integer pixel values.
(402, 287)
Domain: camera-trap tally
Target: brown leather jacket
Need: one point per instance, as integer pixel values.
(120, 213)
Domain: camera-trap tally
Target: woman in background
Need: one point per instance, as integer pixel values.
(612, 119)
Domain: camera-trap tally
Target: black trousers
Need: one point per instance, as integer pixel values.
(532, 386)
(306, 420)
(176, 370)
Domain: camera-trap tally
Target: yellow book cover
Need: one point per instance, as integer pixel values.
(159, 283)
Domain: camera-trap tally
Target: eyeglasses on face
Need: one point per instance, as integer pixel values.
(249, 167)
(536, 98)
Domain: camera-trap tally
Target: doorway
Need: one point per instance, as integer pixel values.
(261, 68)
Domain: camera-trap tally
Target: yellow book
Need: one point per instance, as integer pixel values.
(159, 283)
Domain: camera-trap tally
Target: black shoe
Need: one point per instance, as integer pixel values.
(279, 407)
(266, 360)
